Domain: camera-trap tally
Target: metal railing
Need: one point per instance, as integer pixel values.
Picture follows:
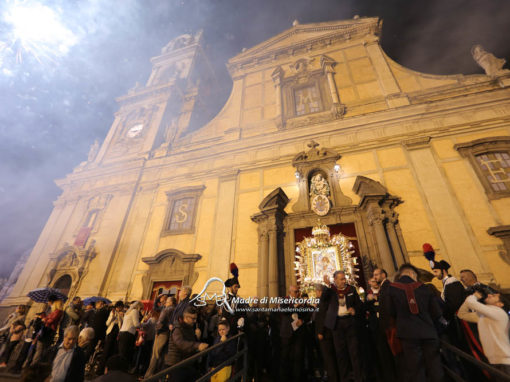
(480, 364)
(242, 351)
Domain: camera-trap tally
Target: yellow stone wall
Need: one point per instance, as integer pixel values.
(242, 155)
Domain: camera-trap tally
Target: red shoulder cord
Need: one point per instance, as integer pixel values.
(411, 299)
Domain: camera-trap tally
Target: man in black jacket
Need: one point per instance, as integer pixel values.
(293, 337)
(184, 344)
(385, 358)
(415, 311)
(325, 336)
(341, 317)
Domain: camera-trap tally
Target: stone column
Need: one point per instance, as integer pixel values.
(391, 228)
(273, 263)
(376, 220)
(377, 205)
(263, 269)
(327, 65)
(271, 276)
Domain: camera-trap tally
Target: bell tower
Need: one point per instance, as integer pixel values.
(174, 101)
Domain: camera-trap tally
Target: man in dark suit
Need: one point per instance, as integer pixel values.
(415, 311)
(183, 344)
(325, 336)
(344, 306)
(69, 361)
(293, 338)
(385, 358)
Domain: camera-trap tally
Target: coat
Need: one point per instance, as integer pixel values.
(222, 353)
(99, 322)
(413, 326)
(183, 344)
(352, 300)
(76, 370)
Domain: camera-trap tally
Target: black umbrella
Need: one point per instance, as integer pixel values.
(43, 294)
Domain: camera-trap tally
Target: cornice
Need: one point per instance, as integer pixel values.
(414, 115)
(340, 31)
(98, 172)
(146, 93)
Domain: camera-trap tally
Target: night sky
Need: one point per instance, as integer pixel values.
(54, 103)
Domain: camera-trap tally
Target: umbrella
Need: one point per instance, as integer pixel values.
(93, 300)
(42, 294)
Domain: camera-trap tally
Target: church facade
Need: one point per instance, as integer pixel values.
(320, 123)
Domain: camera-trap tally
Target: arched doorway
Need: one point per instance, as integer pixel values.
(63, 284)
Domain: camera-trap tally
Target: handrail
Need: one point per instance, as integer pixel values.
(164, 373)
(491, 369)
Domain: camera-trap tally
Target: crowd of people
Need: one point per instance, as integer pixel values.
(390, 333)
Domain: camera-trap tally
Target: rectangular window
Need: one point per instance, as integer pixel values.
(490, 158)
(496, 169)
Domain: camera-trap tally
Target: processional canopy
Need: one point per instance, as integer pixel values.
(319, 256)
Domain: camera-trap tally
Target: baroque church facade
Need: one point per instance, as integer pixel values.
(320, 123)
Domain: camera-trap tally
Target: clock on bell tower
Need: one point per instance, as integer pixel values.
(151, 117)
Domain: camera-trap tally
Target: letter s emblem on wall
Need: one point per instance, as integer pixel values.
(181, 216)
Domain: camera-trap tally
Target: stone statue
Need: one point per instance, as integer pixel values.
(178, 42)
(319, 186)
(492, 65)
(94, 149)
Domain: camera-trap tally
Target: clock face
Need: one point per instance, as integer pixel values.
(320, 205)
(134, 130)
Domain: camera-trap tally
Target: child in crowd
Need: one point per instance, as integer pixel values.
(221, 354)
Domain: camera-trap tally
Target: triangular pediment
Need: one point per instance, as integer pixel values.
(303, 35)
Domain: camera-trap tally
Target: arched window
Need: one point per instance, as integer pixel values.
(63, 284)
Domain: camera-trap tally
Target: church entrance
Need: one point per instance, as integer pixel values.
(372, 224)
(166, 287)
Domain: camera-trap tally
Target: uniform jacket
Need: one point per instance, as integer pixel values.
(453, 295)
(413, 326)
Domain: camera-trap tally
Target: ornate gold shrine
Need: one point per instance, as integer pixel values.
(319, 256)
